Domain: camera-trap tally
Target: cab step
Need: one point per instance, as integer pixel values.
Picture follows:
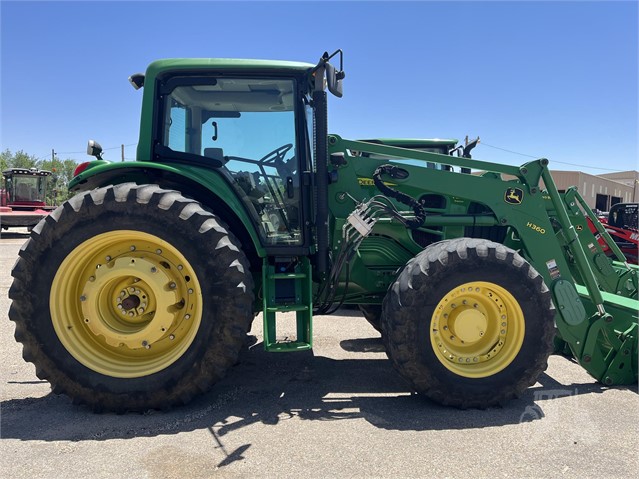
(287, 287)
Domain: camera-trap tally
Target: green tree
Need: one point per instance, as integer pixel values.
(24, 160)
(62, 172)
(19, 159)
(6, 157)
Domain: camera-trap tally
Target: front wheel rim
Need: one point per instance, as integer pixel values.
(477, 329)
(126, 304)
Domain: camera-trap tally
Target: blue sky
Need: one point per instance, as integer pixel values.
(551, 79)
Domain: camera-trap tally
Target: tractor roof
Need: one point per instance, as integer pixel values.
(26, 171)
(267, 66)
(413, 142)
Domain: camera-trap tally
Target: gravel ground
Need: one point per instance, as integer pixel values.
(339, 411)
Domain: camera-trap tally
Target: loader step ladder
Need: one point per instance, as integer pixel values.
(287, 287)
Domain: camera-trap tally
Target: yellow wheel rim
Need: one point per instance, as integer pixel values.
(126, 304)
(477, 329)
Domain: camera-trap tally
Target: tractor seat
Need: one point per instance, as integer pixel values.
(215, 154)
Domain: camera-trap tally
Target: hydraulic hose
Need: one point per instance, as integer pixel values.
(390, 170)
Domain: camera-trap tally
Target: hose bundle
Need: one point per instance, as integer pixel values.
(396, 172)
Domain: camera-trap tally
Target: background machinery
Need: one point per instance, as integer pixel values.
(138, 292)
(23, 197)
(621, 224)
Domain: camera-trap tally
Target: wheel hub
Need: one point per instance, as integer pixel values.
(471, 326)
(132, 302)
(132, 284)
(126, 303)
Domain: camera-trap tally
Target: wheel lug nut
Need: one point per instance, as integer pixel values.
(120, 306)
(131, 313)
(187, 316)
(92, 279)
(146, 345)
(180, 267)
(172, 337)
(83, 298)
(131, 290)
(154, 269)
(108, 258)
(172, 285)
(190, 291)
(158, 251)
(132, 248)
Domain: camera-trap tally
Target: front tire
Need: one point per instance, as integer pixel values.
(469, 323)
(373, 314)
(129, 298)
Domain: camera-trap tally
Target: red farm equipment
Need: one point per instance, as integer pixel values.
(22, 197)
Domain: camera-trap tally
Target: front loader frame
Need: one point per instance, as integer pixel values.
(595, 298)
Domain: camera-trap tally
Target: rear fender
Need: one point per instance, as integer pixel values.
(204, 185)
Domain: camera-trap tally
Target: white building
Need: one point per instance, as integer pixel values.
(601, 191)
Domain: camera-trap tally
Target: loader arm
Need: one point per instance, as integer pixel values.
(595, 298)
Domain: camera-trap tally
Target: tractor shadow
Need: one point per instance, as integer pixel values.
(269, 388)
(15, 233)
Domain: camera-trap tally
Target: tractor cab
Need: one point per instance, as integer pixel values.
(624, 215)
(448, 147)
(24, 188)
(439, 146)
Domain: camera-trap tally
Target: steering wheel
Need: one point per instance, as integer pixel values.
(276, 158)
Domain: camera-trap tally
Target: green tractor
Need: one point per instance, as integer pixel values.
(138, 292)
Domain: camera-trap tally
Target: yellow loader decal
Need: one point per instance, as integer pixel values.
(370, 182)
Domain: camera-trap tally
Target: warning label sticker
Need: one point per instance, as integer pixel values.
(553, 269)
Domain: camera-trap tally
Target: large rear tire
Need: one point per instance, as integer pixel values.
(469, 323)
(129, 298)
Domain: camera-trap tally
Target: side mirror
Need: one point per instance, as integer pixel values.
(334, 80)
(333, 77)
(137, 80)
(94, 149)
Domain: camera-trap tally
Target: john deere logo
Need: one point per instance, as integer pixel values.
(514, 196)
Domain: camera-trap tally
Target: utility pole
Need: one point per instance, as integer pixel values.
(52, 154)
(122, 151)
